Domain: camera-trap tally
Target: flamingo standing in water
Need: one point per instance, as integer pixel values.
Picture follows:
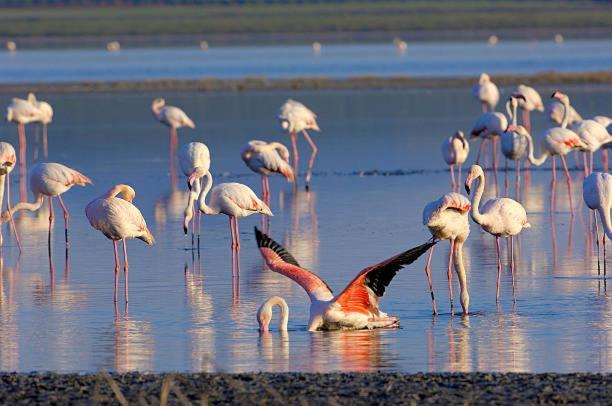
(264, 159)
(500, 217)
(8, 158)
(486, 92)
(51, 180)
(447, 219)
(489, 125)
(195, 163)
(597, 194)
(118, 219)
(530, 101)
(45, 116)
(356, 307)
(174, 118)
(294, 118)
(513, 145)
(455, 150)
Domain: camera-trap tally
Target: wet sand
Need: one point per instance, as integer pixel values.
(305, 83)
(300, 388)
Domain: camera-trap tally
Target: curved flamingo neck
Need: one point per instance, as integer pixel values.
(283, 151)
(462, 276)
(475, 212)
(566, 109)
(539, 161)
(28, 206)
(127, 193)
(202, 199)
(267, 308)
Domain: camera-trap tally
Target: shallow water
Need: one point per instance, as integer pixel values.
(430, 59)
(186, 314)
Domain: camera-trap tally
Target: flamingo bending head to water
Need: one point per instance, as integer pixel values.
(356, 307)
(266, 159)
(118, 219)
(500, 217)
(597, 194)
(455, 150)
(264, 314)
(195, 164)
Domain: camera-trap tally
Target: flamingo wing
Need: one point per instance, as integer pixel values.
(361, 295)
(450, 201)
(281, 261)
(54, 172)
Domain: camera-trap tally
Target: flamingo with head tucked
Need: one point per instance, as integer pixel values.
(455, 150)
(356, 307)
(486, 92)
(118, 219)
(51, 180)
(195, 164)
(294, 118)
(500, 217)
(265, 159)
(597, 194)
(530, 101)
(8, 158)
(447, 219)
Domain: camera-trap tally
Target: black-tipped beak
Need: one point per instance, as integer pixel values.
(467, 188)
(185, 230)
(189, 185)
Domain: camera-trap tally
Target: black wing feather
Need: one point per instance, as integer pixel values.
(263, 241)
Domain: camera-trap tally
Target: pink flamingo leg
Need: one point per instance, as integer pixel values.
(591, 170)
(459, 181)
(36, 137)
(173, 142)
(603, 240)
(295, 157)
(499, 269)
(45, 144)
(506, 178)
(233, 244)
(604, 155)
(312, 158)
(569, 183)
(428, 273)
(485, 108)
(452, 171)
(512, 266)
(125, 270)
(237, 246)
(482, 144)
(597, 238)
(22, 162)
(200, 217)
(116, 269)
(8, 208)
(554, 169)
(449, 274)
(585, 165)
(59, 197)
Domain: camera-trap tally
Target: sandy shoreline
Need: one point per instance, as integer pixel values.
(307, 388)
(305, 83)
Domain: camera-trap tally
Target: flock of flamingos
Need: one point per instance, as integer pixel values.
(356, 307)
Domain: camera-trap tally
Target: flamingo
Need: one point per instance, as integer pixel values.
(500, 217)
(264, 159)
(264, 314)
(118, 219)
(22, 112)
(486, 92)
(513, 145)
(8, 158)
(195, 163)
(597, 194)
(174, 118)
(234, 200)
(51, 180)
(45, 116)
(530, 101)
(489, 125)
(455, 150)
(294, 118)
(556, 111)
(447, 219)
(606, 122)
(356, 307)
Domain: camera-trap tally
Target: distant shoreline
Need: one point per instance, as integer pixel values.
(305, 83)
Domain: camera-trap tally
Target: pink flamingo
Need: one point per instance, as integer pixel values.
(500, 217)
(530, 101)
(455, 150)
(51, 180)
(195, 163)
(264, 159)
(447, 219)
(295, 118)
(356, 307)
(8, 158)
(489, 125)
(597, 194)
(174, 118)
(118, 219)
(486, 92)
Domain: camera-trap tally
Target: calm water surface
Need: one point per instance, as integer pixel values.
(431, 59)
(186, 313)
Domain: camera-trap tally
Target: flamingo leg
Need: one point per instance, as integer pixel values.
(499, 269)
(116, 268)
(8, 208)
(554, 169)
(527, 120)
(200, 217)
(36, 137)
(603, 240)
(125, 270)
(193, 210)
(494, 154)
(312, 158)
(591, 169)
(45, 144)
(482, 143)
(428, 273)
(295, 156)
(586, 166)
(518, 178)
(506, 178)
(449, 274)
(22, 162)
(569, 183)
(604, 155)
(61, 202)
(485, 108)
(597, 239)
(173, 142)
(452, 171)
(459, 180)
(512, 266)
(237, 246)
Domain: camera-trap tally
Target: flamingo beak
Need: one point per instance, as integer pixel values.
(264, 326)
(185, 226)
(467, 185)
(189, 184)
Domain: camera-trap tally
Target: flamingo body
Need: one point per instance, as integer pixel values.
(597, 194)
(455, 149)
(237, 200)
(295, 117)
(489, 125)
(446, 218)
(531, 98)
(264, 158)
(486, 92)
(194, 158)
(170, 116)
(53, 179)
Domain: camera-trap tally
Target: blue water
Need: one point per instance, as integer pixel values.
(430, 59)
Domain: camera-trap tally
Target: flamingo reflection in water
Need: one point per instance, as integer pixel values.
(134, 344)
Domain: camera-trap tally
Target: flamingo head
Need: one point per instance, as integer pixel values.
(31, 98)
(158, 104)
(562, 97)
(285, 124)
(484, 78)
(474, 173)
(264, 316)
(517, 99)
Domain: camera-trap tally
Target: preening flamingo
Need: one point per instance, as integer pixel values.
(118, 219)
(455, 150)
(51, 180)
(597, 194)
(45, 116)
(264, 314)
(8, 159)
(356, 307)
(513, 145)
(489, 125)
(530, 101)
(447, 219)
(174, 118)
(195, 164)
(294, 118)
(486, 92)
(500, 217)
(266, 159)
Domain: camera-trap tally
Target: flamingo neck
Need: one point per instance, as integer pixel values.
(462, 276)
(475, 212)
(282, 150)
(514, 118)
(204, 208)
(127, 192)
(267, 307)
(24, 206)
(566, 108)
(193, 197)
(604, 214)
(539, 161)
(510, 112)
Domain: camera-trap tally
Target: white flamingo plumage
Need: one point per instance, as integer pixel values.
(486, 92)
(194, 159)
(513, 145)
(500, 217)
(530, 101)
(455, 150)
(50, 180)
(489, 125)
(356, 307)
(45, 116)
(118, 219)
(264, 314)
(447, 219)
(8, 159)
(294, 118)
(265, 159)
(597, 194)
